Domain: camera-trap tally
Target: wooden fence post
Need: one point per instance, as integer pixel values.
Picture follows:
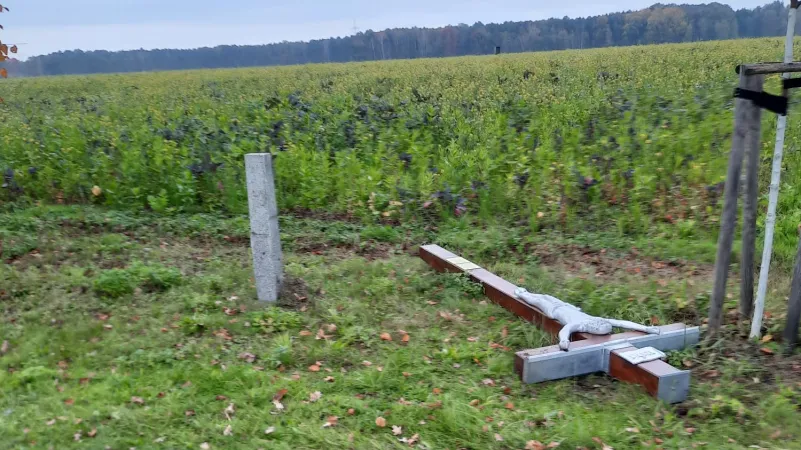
(794, 305)
(746, 116)
(750, 202)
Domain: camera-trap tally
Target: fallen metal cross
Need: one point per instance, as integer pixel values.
(633, 356)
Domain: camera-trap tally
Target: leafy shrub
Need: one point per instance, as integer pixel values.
(115, 283)
(275, 320)
(156, 277)
(381, 233)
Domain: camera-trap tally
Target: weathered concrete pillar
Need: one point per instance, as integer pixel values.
(265, 241)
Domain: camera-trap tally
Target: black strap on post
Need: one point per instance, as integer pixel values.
(773, 103)
(791, 83)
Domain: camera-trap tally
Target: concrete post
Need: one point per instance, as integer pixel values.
(265, 241)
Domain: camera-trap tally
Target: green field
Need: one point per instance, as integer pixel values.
(632, 139)
(124, 330)
(128, 315)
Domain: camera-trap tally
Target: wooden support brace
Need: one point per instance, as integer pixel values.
(589, 353)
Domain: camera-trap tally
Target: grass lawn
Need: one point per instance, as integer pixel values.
(123, 330)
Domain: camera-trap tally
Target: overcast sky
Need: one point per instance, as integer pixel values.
(46, 26)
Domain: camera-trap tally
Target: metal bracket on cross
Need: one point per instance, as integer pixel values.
(632, 356)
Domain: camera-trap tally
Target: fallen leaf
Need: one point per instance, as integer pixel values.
(504, 332)
(78, 421)
(322, 336)
(314, 368)
(278, 405)
(77, 436)
(766, 350)
(92, 433)
(407, 374)
(488, 382)
(351, 411)
(413, 440)
(498, 437)
(381, 422)
(228, 431)
(229, 411)
(510, 406)
(51, 422)
(553, 444)
(96, 191)
(380, 368)
(437, 391)
(69, 402)
(331, 421)
(767, 338)
(305, 333)
(329, 379)
(221, 398)
(189, 412)
(432, 303)
(280, 394)
(405, 338)
(475, 402)
(63, 365)
(534, 445)
(386, 337)
(269, 430)
(633, 430)
(4, 347)
(396, 430)
(472, 339)
(248, 357)
(331, 328)
(690, 430)
(658, 441)
(205, 446)
(314, 396)
(367, 363)
(776, 435)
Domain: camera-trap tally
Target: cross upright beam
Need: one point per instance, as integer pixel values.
(628, 356)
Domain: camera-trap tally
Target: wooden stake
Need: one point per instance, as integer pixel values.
(745, 121)
(750, 202)
(794, 305)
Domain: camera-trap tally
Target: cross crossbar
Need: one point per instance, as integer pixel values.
(589, 353)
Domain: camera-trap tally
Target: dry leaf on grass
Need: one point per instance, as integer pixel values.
(205, 446)
(70, 402)
(280, 394)
(92, 433)
(633, 430)
(314, 396)
(381, 422)
(405, 338)
(228, 431)
(269, 430)
(331, 421)
(351, 411)
(248, 357)
(329, 379)
(510, 406)
(396, 430)
(386, 337)
(498, 437)
(314, 368)
(278, 405)
(305, 333)
(488, 382)
(229, 411)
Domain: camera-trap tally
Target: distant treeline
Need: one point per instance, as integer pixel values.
(657, 24)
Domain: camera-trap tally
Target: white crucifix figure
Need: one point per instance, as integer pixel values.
(574, 319)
